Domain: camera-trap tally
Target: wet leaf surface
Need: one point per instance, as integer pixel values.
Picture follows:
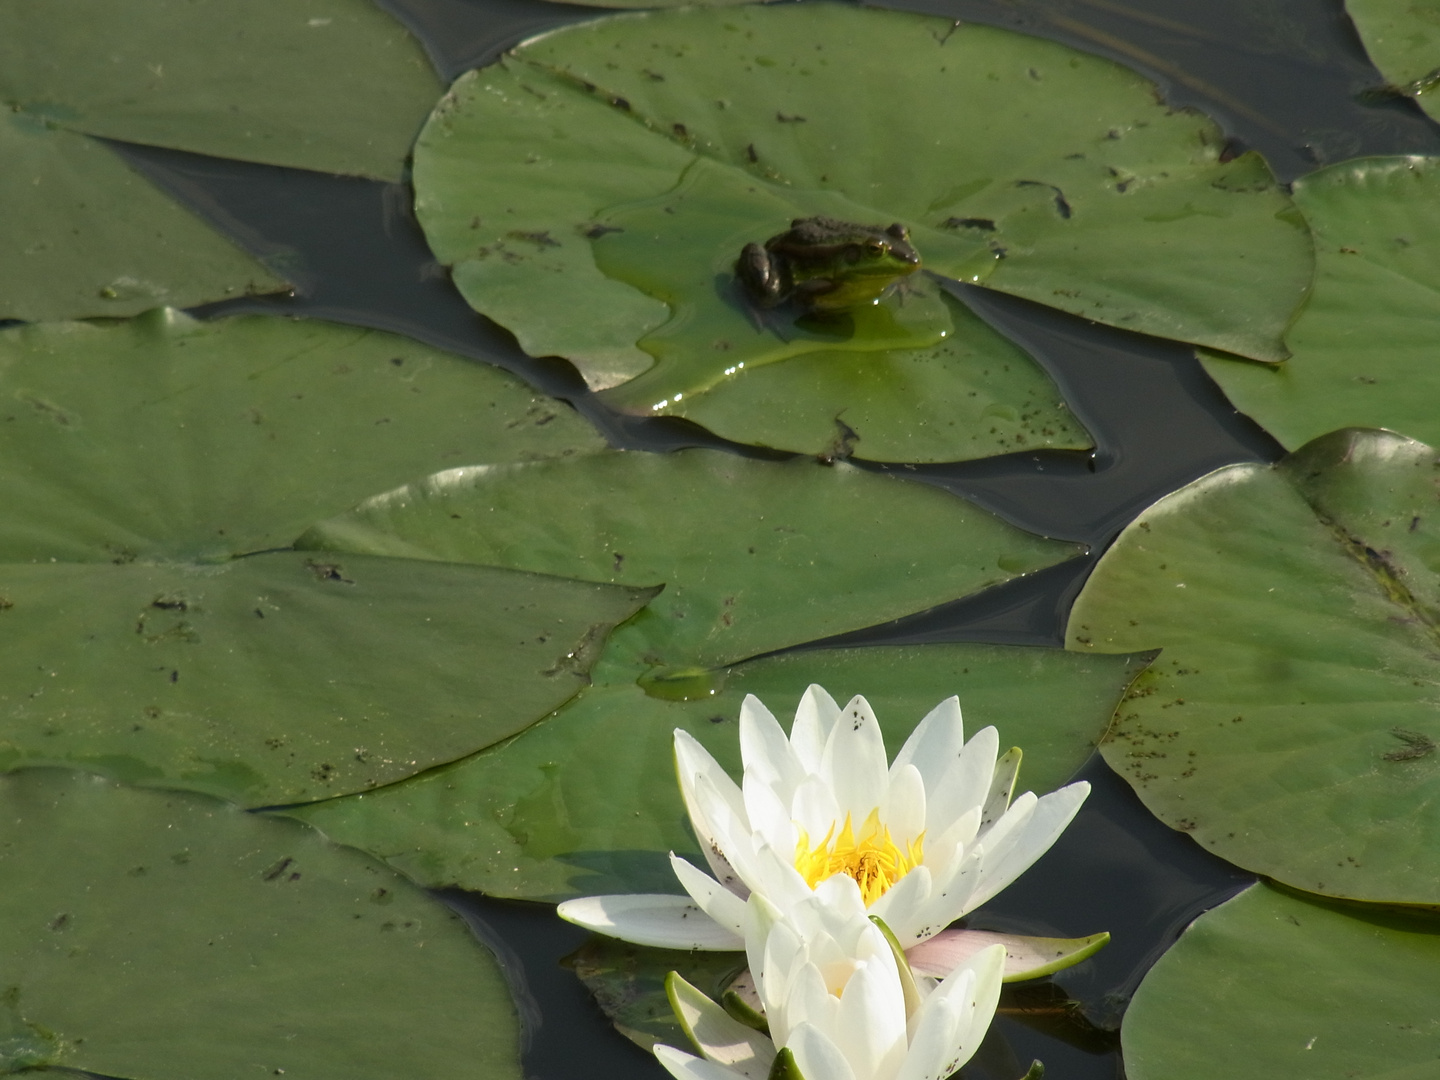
(1270, 984)
(1403, 40)
(971, 396)
(586, 801)
(1112, 207)
(1364, 345)
(1289, 724)
(166, 935)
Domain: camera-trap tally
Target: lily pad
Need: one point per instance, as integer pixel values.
(973, 395)
(754, 555)
(1403, 40)
(88, 236)
(1290, 723)
(166, 437)
(167, 935)
(1364, 345)
(1270, 985)
(333, 85)
(280, 678)
(586, 802)
(140, 459)
(1113, 206)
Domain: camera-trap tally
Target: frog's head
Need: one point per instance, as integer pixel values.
(843, 249)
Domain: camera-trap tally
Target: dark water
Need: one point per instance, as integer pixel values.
(1284, 77)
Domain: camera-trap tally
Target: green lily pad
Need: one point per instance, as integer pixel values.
(280, 678)
(973, 395)
(1364, 345)
(586, 801)
(1112, 207)
(754, 555)
(139, 459)
(628, 983)
(166, 437)
(333, 85)
(87, 236)
(1403, 40)
(1290, 723)
(1270, 985)
(166, 935)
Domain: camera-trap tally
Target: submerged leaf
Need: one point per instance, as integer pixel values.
(1403, 40)
(1290, 722)
(1273, 985)
(163, 934)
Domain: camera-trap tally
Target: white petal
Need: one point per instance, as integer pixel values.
(1044, 824)
(905, 906)
(814, 809)
(965, 783)
(817, 1057)
(769, 816)
(904, 810)
(685, 1066)
(765, 750)
(723, 906)
(870, 1027)
(936, 741)
(954, 1019)
(813, 720)
(719, 1036)
(854, 762)
(731, 830)
(691, 762)
(659, 920)
(808, 1002)
(943, 846)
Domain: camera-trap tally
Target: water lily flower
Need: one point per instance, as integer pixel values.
(926, 839)
(839, 1001)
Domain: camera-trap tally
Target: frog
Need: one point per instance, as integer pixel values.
(826, 266)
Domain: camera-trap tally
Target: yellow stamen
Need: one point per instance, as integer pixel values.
(874, 860)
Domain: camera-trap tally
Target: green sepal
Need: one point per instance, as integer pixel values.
(740, 1009)
(784, 1067)
(1036, 1070)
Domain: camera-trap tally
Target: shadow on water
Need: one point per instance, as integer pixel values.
(1286, 77)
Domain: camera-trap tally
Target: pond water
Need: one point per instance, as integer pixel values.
(1284, 78)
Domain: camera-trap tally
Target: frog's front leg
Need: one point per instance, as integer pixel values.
(761, 275)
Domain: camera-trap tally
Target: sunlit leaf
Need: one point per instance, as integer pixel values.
(1290, 724)
(168, 437)
(334, 85)
(1403, 40)
(1270, 985)
(167, 935)
(973, 395)
(586, 802)
(697, 131)
(280, 678)
(137, 460)
(86, 236)
(1364, 345)
(754, 555)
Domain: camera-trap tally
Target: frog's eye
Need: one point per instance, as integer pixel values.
(898, 231)
(874, 247)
